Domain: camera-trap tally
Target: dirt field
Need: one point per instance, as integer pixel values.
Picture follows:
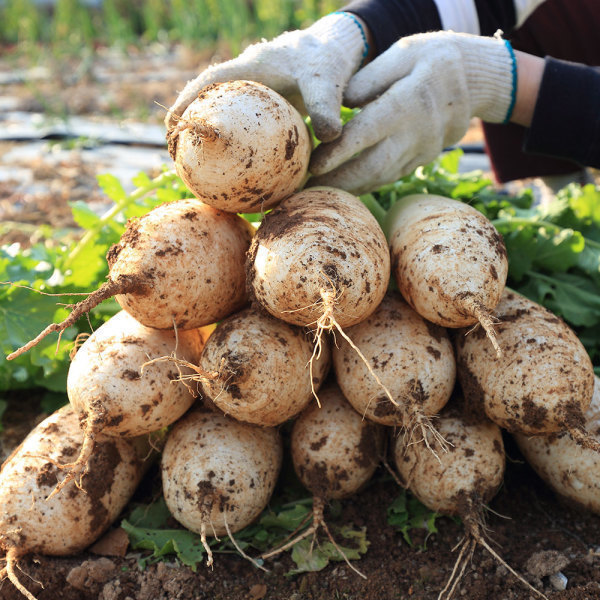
(535, 533)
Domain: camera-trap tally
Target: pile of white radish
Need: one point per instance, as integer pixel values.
(228, 332)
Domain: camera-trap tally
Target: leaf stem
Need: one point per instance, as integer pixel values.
(90, 235)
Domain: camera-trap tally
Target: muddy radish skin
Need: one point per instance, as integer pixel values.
(448, 260)
(189, 261)
(218, 473)
(106, 382)
(179, 266)
(334, 450)
(544, 381)
(570, 470)
(458, 482)
(240, 147)
(69, 522)
(262, 369)
(320, 252)
(464, 477)
(413, 358)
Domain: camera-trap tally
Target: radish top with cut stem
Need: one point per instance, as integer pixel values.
(449, 261)
(263, 367)
(319, 253)
(240, 147)
(413, 357)
(179, 266)
(543, 382)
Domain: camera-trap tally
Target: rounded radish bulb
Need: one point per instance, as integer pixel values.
(448, 260)
(218, 474)
(335, 452)
(179, 266)
(413, 358)
(571, 470)
(68, 523)
(458, 482)
(544, 380)
(240, 147)
(262, 367)
(319, 260)
(114, 395)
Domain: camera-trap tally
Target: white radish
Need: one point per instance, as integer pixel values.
(68, 523)
(218, 474)
(111, 392)
(544, 380)
(413, 358)
(179, 266)
(335, 453)
(458, 482)
(319, 260)
(448, 260)
(241, 147)
(572, 471)
(319, 257)
(261, 368)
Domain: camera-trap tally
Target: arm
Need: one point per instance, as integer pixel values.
(529, 77)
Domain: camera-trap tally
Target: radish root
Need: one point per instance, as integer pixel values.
(318, 521)
(94, 423)
(486, 320)
(328, 322)
(12, 556)
(122, 285)
(583, 438)
(474, 524)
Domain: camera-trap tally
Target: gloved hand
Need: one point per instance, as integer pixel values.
(315, 63)
(420, 96)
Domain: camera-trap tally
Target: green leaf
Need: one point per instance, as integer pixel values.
(112, 187)
(407, 513)
(84, 216)
(573, 297)
(311, 556)
(184, 544)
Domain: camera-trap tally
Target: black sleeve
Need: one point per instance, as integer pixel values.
(389, 20)
(566, 119)
(494, 15)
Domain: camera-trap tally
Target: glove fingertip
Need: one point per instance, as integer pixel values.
(326, 128)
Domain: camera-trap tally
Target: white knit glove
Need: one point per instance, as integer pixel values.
(420, 96)
(315, 63)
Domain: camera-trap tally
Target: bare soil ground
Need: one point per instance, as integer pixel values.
(534, 531)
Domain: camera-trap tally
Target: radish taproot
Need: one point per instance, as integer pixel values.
(240, 146)
(572, 471)
(262, 367)
(413, 358)
(335, 453)
(448, 260)
(69, 522)
(180, 265)
(218, 474)
(113, 395)
(319, 260)
(458, 482)
(544, 381)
